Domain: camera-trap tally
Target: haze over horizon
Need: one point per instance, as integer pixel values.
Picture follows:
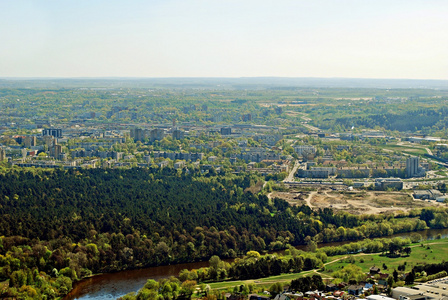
(194, 38)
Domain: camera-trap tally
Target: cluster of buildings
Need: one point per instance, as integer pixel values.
(413, 168)
(187, 156)
(257, 154)
(426, 291)
(430, 194)
(272, 166)
(54, 140)
(433, 290)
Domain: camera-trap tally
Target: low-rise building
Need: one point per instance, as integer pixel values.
(431, 194)
(436, 290)
(385, 183)
(179, 164)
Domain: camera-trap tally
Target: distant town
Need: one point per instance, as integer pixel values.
(114, 178)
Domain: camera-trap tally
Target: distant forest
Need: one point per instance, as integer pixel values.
(414, 120)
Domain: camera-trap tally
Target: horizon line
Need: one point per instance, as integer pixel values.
(210, 77)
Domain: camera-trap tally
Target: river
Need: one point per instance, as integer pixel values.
(114, 285)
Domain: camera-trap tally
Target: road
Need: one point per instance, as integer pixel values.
(310, 127)
(290, 177)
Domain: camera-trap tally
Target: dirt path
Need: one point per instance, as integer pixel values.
(308, 199)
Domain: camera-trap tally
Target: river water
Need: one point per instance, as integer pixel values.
(114, 285)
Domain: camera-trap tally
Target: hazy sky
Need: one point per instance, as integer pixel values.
(226, 38)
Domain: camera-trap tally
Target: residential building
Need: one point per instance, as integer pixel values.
(304, 149)
(178, 134)
(30, 141)
(413, 168)
(55, 132)
(56, 151)
(179, 155)
(317, 172)
(157, 134)
(226, 131)
(138, 134)
(179, 165)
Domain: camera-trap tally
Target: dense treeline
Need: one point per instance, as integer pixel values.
(193, 216)
(431, 269)
(404, 121)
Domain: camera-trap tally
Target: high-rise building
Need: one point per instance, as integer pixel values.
(30, 141)
(55, 132)
(56, 151)
(412, 166)
(138, 134)
(49, 140)
(178, 134)
(157, 134)
(2, 154)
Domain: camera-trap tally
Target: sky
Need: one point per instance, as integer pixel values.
(224, 38)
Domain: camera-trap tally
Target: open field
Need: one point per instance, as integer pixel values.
(408, 149)
(355, 202)
(431, 252)
(261, 281)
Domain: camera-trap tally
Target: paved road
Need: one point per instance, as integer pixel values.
(290, 176)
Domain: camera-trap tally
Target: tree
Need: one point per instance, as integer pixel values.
(395, 275)
(312, 246)
(442, 187)
(254, 254)
(410, 278)
(276, 288)
(394, 248)
(390, 281)
(215, 262)
(187, 288)
(427, 215)
(407, 250)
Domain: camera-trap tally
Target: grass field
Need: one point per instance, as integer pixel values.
(419, 255)
(433, 251)
(405, 149)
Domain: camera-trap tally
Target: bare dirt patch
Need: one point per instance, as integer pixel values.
(354, 202)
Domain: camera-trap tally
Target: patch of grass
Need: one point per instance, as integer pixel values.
(409, 149)
(419, 255)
